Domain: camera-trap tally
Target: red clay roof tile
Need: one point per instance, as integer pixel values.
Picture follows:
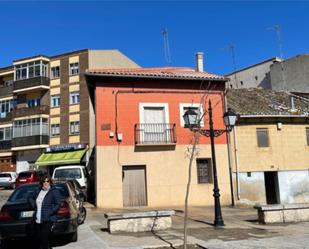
(158, 72)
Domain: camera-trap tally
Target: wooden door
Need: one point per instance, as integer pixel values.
(134, 186)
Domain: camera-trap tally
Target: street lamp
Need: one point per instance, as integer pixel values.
(192, 121)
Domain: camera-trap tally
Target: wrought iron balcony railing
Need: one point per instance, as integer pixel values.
(155, 134)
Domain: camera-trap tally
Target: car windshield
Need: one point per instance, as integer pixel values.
(25, 192)
(5, 175)
(24, 174)
(68, 173)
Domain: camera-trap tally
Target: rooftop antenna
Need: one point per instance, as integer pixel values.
(277, 29)
(167, 53)
(232, 51)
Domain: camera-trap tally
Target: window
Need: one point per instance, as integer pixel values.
(5, 133)
(30, 127)
(33, 102)
(5, 107)
(74, 127)
(74, 98)
(55, 72)
(204, 171)
(31, 69)
(198, 108)
(55, 130)
(307, 134)
(55, 101)
(74, 68)
(262, 137)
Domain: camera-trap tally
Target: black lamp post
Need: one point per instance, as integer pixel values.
(192, 121)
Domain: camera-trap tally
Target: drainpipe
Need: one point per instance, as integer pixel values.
(236, 161)
(228, 144)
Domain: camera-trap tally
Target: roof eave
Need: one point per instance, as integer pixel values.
(154, 77)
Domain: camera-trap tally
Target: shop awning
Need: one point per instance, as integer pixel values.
(60, 158)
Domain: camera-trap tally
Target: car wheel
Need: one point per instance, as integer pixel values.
(82, 216)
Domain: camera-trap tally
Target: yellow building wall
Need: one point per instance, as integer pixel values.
(55, 111)
(74, 139)
(288, 149)
(74, 108)
(166, 175)
(73, 79)
(54, 140)
(55, 82)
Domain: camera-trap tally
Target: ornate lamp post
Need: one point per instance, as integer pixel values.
(192, 121)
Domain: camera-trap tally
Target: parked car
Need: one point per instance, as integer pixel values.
(16, 215)
(30, 176)
(80, 195)
(77, 172)
(8, 179)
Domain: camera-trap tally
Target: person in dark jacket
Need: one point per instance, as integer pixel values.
(46, 202)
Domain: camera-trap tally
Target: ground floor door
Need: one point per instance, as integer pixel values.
(134, 186)
(272, 187)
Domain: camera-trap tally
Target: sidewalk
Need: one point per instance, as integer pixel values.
(241, 230)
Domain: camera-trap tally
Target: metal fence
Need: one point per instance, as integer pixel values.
(159, 133)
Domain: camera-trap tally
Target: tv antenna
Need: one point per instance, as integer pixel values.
(167, 53)
(231, 49)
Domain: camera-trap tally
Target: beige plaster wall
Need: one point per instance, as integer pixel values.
(166, 175)
(287, 149)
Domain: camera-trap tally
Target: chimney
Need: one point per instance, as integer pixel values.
(199, 62)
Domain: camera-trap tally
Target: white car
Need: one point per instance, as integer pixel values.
(77, 172)
(8, 179)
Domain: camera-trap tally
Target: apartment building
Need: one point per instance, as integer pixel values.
(45, 112)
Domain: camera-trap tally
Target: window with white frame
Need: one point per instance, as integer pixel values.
(55, 72)
(31, 70)
(55, 130)
(30, 127)
(55, 101)
(154, 127)
(74, 127)
(5, 133)
(74, 68)
(74, 98)
(198, 108)
(5, 107)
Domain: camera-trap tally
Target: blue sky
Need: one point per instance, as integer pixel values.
(134, 27)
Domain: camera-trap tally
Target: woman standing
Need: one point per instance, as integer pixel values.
(46, 203)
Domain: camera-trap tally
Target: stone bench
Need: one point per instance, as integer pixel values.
(279, 213)
(139, 221)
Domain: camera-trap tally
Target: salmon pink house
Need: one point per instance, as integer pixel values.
(142, 146)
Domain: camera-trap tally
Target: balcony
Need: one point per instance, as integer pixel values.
(155, 134)
(28, 111)
(30, 84)
(30, 141)
(6, 91)
(5, 145)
